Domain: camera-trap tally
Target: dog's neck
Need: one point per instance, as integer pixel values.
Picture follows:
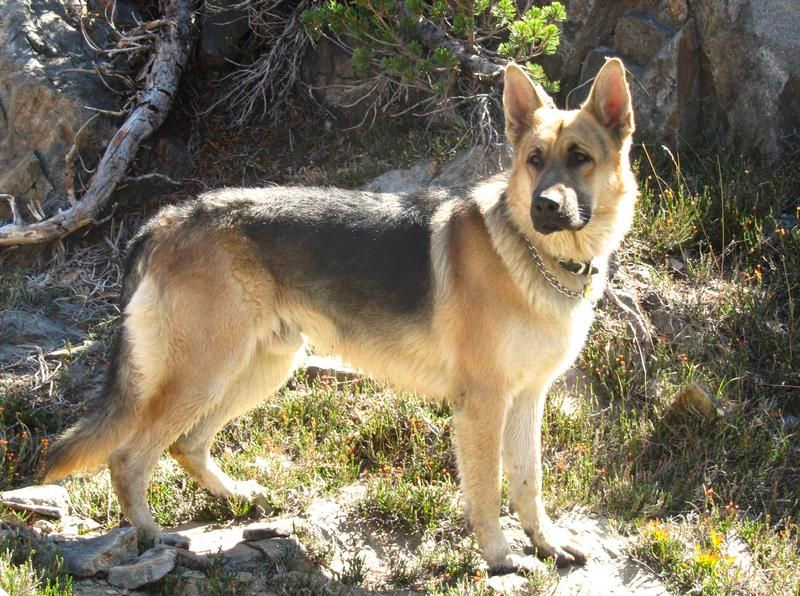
(529, 266)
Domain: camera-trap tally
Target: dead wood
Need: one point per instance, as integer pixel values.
(151, 107)
(432, 37)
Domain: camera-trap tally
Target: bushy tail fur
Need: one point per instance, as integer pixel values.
(87, 445)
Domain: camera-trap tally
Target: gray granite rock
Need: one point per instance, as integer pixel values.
(50, 500)
(87, 556)
(150, 567)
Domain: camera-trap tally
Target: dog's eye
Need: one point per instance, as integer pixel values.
(578, 158)
(536, 160)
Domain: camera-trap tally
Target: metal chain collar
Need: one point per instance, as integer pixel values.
(557, 285)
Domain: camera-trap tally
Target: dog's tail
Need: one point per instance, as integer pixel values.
(86, 445)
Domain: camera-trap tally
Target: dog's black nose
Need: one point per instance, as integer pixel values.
(547, 203)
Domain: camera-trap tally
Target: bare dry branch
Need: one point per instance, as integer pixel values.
(432, 37)
(152, 104)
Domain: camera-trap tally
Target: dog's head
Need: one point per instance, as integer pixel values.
(571, 189)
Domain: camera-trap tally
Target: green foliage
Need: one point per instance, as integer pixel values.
(534, 33)
(385, 45)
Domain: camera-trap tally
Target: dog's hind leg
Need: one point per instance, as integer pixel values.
(266, 372)
(522, 459)
(192, 336)
(162, 419)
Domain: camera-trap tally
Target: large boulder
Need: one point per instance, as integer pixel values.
(696, 67)
(47, 78)
(659, 48)
(752, 52)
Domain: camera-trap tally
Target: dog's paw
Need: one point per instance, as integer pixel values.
(251, 492)
(515, 563)
(557, 544)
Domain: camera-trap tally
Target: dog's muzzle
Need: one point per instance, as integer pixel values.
(556, 209)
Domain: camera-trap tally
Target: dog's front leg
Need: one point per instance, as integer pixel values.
(478, 423)
(522, 457)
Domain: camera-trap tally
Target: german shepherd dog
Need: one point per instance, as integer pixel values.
(481, 297)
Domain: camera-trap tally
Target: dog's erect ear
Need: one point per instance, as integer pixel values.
(610, 99)
(521, 98)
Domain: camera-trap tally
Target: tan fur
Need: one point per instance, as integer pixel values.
(212, 336)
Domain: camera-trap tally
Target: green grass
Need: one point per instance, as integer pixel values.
(28, 568)
(718, 553)
(714, 259)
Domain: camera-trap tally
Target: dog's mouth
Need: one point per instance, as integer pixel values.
(560, 221)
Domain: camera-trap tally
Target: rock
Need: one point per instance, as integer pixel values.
(639, 36)
(740, 555)
(328, 71)
(96, 587)
(279, 528)
(667, 323)
(666, 94)
(88, 556)
(44, 86)
(285, 553)
(609, 570)
(44, 526)
(47, 83)
(664, 91)
(326, 367)
(472, 165)
(404, 180)
(696, 400)
(298, 582)
(753, 90)
(676, 264)
(466, 168)
(50, 500)
(509, 583)
(150, 567)
(686, 80)
(20, 328)
(74, 526)
(243, 556)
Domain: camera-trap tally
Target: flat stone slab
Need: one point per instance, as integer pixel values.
(286, 552)
(278, 528)
(50, 500)
(150, 567)
(87, 556)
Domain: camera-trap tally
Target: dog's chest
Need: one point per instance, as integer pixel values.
(539, 347)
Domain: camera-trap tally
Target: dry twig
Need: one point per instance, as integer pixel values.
(262, 87)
